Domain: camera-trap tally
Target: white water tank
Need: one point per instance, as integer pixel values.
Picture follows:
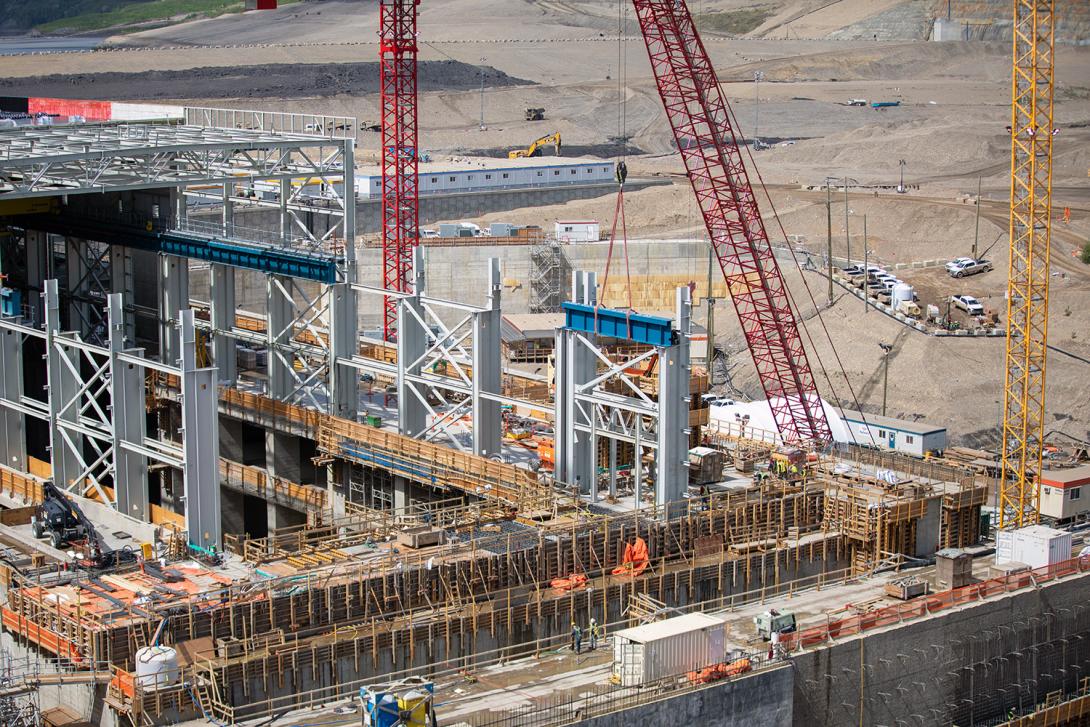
(157, 668)
(902, 291)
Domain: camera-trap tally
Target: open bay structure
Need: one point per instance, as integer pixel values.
(222, 507)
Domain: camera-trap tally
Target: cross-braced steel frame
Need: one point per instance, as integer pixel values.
(95, 409)
(597, 399)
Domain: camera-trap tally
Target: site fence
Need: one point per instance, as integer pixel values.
(931, 604)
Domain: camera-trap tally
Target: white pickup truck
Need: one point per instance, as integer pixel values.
(967, 266)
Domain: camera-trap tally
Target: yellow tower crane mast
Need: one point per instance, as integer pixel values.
(1030, 237)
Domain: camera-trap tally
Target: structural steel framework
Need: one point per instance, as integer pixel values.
(597, 399)
(701, 122)
(1030, 240)
(457, 365)
(400, 206)
(95, 409)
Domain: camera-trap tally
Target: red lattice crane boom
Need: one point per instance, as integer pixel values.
(400, 207)
(701, 122)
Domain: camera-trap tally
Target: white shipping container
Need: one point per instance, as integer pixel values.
(1037, 546)
(669, 648)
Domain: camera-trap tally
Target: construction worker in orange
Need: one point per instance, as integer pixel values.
(1067, 215)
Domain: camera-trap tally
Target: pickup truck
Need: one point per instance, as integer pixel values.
(969, 304)
(967, 266)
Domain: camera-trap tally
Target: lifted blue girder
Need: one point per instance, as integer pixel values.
(250, 256)
(612, 323)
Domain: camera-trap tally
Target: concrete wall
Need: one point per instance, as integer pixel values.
(962, 667)
(760, 700)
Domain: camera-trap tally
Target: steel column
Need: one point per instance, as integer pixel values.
(62, 389)
(12, 423)
(223, 306)
(128, 417)
(487, 369)
(412, 342)
(173, 297)
(200, 435)
(672, 476)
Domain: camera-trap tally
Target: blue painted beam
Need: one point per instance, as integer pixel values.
(266, 259)
(635, 327)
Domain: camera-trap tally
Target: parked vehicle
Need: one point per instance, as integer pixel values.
(969, 304)
(956, 263)
(852, 270)
(970, 267)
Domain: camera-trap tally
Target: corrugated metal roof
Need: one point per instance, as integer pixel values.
(670, 627)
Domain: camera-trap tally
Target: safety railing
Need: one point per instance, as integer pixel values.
(927, 605)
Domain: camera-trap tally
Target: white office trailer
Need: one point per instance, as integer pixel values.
(578, 231)
(896, 435)
(462, 176)
(670, 648)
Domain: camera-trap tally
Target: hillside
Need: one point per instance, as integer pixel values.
(82, 16)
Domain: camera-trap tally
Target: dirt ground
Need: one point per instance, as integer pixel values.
(949, 130)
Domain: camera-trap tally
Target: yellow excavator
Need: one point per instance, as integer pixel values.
(534, 149)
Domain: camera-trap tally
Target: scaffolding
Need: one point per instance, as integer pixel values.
(549, 271)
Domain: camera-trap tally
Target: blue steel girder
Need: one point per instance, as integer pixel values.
(263, 258)
(651, 330)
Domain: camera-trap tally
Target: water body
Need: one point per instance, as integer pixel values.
(20, 44)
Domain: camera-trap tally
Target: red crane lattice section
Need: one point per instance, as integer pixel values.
(702, 127)
(400, 207)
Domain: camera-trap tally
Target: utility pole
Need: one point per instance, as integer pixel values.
(976, 234)
(711, 318)
(757, 76)
(886, 348)
(482, 95)
(847, 237)
(866, 272)
(829, 231)
(901, 187)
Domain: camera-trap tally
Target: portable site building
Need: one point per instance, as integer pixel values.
(669, 648)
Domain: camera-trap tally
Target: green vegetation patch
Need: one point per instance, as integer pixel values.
(733, 22)
(1085, 254)
(151, 11)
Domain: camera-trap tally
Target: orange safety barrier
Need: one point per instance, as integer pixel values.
(43, 637)
(571, 583)
(927, 605)
(124, 682)
(636, 559)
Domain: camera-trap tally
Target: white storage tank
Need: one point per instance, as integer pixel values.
(157, 668)
(669, 648)
(902, 292)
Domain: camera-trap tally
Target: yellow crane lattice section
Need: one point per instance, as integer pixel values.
(1030, 238)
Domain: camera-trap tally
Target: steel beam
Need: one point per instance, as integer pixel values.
(278, 331)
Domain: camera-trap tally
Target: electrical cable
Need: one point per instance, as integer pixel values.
(813, 301)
